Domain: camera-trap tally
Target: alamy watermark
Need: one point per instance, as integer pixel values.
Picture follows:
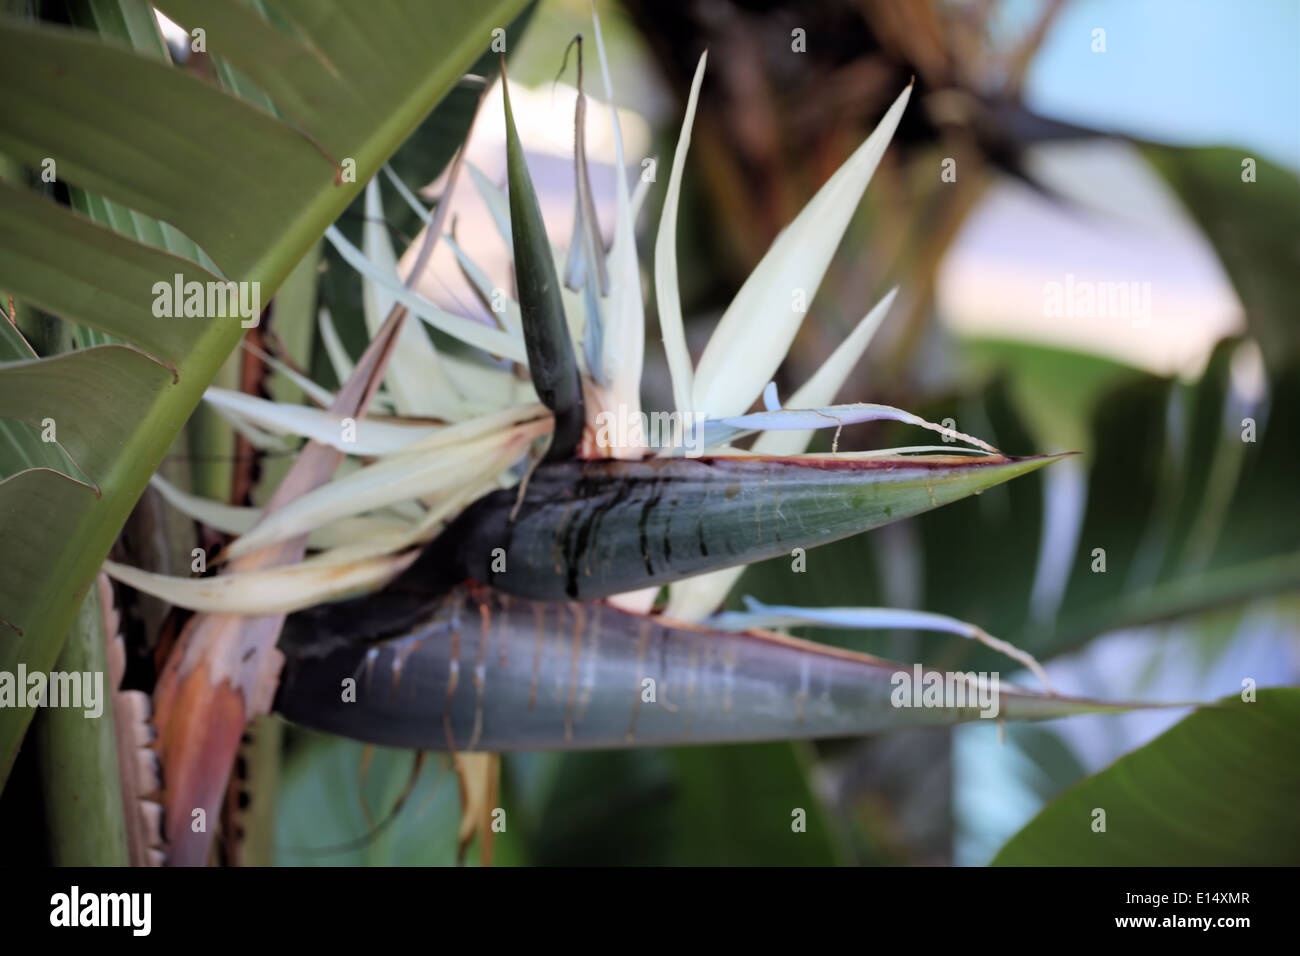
(921, 688)
(76, 689)
(133, 911)
(1085, 299)
(625, 428)
(208, 300)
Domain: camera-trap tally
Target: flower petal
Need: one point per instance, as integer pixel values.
(667, 296)
(490, 340)
(755, 332)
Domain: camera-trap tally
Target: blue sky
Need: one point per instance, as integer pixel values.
(1209, 72)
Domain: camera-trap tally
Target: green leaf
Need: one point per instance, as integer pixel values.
(1217, 789)
(593, 808)
(78, 758)
(590, 529)
(1053, 388)
(110, 139)
(328, 784)
(21, 446)
(63, 387)
(551, 359)
(337, 804)
(689, 806)
(112, 286)
(1185, 537)
(747, 806)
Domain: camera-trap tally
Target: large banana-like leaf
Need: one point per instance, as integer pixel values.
(481, 671)
(590, 529)
(254, 191)
(1217, 789)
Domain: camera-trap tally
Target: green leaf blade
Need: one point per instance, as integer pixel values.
(1217, 789)
(152, 136)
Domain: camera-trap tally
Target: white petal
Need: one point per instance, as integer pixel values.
(495, 199)
(371, 438)
(441, 471)
(493, 341)
(415, 377)
(267, 591)
(234, 519)
(724, 430)
(868, 618)
(411, 199)
(666, 290)
(755, 332)
(826, 382)
(337, 353)
(259, 438)
(491, 293)
(320, 395)
(624, 333)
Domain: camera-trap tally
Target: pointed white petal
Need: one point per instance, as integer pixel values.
(415, 377)
(268, 591)
(755, 332)
(340, 361)
(666, 290)
(510, 315)
(231, 519)
(489, 423)
(392, 540)
(442, 471)
(410, 198)
(868, 618)
(234, 519)
(826, 382)
(493, 341)
(320, 395)
(378, 248)
(489, 387)
(371, 438)
(721, 430)
(623, 338)
(259, 438)
(496, 200)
